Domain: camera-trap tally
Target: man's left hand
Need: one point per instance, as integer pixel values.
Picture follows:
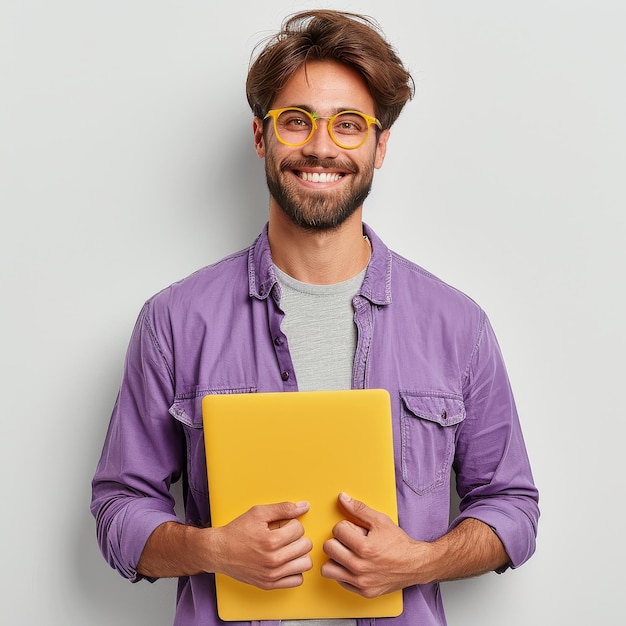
(373, 556)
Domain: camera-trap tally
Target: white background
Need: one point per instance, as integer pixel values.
(126, 162)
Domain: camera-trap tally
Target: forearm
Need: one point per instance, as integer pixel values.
(174, 550)
(470, 549)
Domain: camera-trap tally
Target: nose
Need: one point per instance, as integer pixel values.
(321, 145)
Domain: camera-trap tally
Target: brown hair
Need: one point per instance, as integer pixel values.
(349, 38)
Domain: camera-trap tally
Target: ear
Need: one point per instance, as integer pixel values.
(381, 148)
(259, 140)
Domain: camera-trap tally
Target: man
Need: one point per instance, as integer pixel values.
(319, 302)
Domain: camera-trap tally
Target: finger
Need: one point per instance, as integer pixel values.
(338, 552)
(291, 567)
(294, 524)
(301, 565)
(294, 550)
(348, 528)
(350, 535)
(289, 536)
(363, 514)
(280, 511)
(335, 571)
(347, 579)
(291, 528)
(288, 582)
(290, 574)
(349, 587)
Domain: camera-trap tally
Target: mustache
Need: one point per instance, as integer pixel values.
(319, 163)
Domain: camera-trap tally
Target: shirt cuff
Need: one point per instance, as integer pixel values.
(515, 530)
(128, 534)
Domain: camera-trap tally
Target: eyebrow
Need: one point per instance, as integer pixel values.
(312, 110)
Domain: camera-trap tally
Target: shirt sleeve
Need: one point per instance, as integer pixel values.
(143, 454)
(493, 473)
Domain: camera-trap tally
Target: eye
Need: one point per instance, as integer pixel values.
(349, 124)
(292, 121)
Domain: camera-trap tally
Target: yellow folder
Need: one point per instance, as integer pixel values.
(264, 448)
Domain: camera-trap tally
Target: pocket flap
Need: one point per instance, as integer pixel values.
(444, 409)
(187, 407)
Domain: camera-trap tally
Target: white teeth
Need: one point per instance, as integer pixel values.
(320, 177)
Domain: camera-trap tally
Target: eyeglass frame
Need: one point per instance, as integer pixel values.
(275, 113)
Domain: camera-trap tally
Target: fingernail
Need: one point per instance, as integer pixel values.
(345, 497)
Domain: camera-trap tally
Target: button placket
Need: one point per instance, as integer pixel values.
(281, 349)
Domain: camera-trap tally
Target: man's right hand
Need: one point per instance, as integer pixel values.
(265, 546)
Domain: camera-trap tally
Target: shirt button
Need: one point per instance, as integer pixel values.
(285, 376)
(278, 341)
(444, 414)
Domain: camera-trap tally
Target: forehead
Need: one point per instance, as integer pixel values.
(326, 87)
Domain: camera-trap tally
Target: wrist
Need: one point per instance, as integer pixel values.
(470, 549)
(427, 558)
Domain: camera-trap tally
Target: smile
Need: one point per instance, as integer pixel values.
(320, 177)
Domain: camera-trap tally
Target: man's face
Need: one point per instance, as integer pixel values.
(319, 185)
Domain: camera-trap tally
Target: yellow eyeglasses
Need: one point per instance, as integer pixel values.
(294, 126)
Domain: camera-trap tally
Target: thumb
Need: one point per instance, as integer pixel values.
(285, 510)
(358, 510)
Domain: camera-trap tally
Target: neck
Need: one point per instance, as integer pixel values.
(320, 258)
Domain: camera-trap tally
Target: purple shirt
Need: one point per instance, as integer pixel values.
(219, 331)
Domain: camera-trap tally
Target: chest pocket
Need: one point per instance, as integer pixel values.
(429, 422)
(187, 409)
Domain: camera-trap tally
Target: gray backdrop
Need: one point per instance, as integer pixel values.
(126, 162)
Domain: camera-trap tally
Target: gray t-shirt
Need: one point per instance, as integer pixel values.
(320, 329)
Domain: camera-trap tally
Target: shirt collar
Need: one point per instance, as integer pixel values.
(376, 285)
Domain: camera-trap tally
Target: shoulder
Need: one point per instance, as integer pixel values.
(417, 283)
(203, 287)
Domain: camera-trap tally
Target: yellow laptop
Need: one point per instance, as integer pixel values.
(263, 448)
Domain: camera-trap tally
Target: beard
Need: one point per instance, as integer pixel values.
(321, 210)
